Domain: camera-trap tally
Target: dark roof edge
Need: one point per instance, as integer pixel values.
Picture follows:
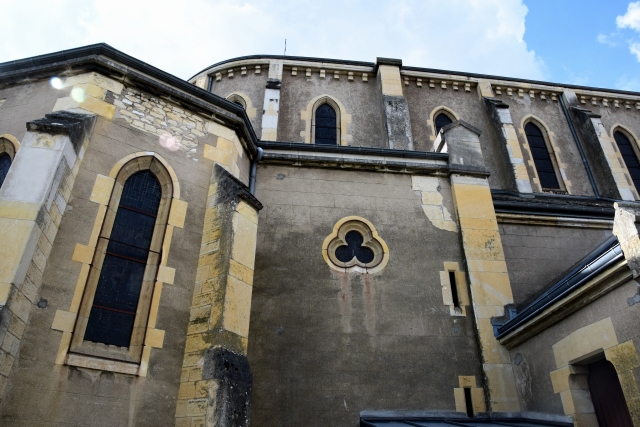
(550, 209)
(293, 58)
(60, 58)
(597, 261)
(519, 80)
(419, 69)
(347, 149)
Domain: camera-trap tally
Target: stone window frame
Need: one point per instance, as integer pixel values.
(431, 122)
(461, 289)
(342, 119)
(588, 344)
(372, 240)
(243, 100)
(634, 144)
(9, 144)
(552, 148)
(107, 190)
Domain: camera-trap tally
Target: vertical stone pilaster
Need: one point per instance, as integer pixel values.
(32, 201)
(395, 110)
(610, 172)
(216, 381)
(509, 144)
(484, 256)
(272, 101)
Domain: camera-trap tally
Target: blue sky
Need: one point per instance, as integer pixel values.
(566, 41)
(564, 34)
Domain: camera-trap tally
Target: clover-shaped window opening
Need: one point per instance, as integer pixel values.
(354, 248)
(355, 244)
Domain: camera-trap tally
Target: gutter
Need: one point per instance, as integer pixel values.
(600, 259)
(254, 169)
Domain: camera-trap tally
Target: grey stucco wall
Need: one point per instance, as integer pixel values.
(468, 106)
(324, 345)
(251, 84)
(42, 393)
(359, 98)
(25, 103)
(550, 113)
(533, 378)
(537, 255)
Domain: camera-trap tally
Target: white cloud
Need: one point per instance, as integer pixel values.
(609, 40)
(635, 49)
(483, 36)
(631, 19)
(628, 83)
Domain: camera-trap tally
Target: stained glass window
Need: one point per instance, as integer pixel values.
(326, 132)
(441, 121)
(354, 248)
(541, 157)
(629, 157)
(118, 291)
(5, 163)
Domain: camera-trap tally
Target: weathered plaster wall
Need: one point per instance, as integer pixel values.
(467, 105)
(538, 255)
(359, 98)
(251, 84)
(39, 391)
(550, 113)
(325, 345)
(535, 388)
(21, 104)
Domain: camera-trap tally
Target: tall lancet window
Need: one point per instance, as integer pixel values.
(441, 121)
(629, 156)
(5, 163)
(541, 157)
(326, 132)
(115, 303)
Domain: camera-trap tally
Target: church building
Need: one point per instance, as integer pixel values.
(289, 241)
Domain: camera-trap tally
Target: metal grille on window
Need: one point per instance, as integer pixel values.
(541, 157)
(441, 121)
(118, 290)
(326, 132)
(629, 156)
(354, 248)
(5, 163)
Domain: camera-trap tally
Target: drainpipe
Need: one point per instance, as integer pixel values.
(254, 168)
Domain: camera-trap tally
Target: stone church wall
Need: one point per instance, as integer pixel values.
(325, 345)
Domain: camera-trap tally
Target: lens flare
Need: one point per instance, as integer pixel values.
(170, 142)
(77, 93)
(56, 83)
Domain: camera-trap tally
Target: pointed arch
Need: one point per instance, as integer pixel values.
(8, 148)
(244, 100)
(544, 166)
(627, 144)
(139, 208)
(447, 112)
(342, 119)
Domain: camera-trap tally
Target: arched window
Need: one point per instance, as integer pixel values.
(441, 121)
(5, 163)
(325, 125)
(7, 153)
(541, 157)
(117, 294)
(629, 156)
(115, 308)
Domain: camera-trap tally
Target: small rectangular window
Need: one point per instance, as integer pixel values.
(468, 402)
(454, 289)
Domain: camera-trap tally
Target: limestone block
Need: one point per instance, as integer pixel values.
(624, 356)
(166, 274)
(585, 341)
(95, 79)
(178, 213)
(237, 307)
(19, 241)
(504, 397)
(154, 338)
(102, 190)
(244, 240)
(64, 321)
(83, 254)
